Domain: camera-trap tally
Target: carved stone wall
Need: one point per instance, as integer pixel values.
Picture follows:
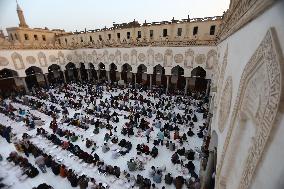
(225, 104)
(159, 57)
(95, 56)
(150, 55)
(42, 59)
(31, 59)
(189, 58)
(200, 59)
(52, 58)
(141, 57)
(168, 58)
(260, 82)
(221, 76)
(61, 58)
(240, 13)
(4, 61)
(18, 61)
(211, 59)
(118, 57)
(178, 58)
(125, 57)
(133, 57)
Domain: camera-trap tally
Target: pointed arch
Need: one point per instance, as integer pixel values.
(8, 73)
(71, 72)
(34, 77)
(198, 72)
(141, 76)
(159, 77)
(113, 72)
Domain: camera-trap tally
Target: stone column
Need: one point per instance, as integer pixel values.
(150, 81)
(91, 74)
(206, 180)
(25, 85)
(46, 79)
(98, 74)
(120, 78)
(168, 80)
(108, 76)
(135, 82)
(208, 87)
(88, 74)
(186, 86)
(79, 74)
(64, 76)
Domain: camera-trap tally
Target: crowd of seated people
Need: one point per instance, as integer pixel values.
(44, 161)
(27, 168)
(103, 115)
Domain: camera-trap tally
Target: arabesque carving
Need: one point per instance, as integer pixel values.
(189, 58)
(3, 61)
(17, 61)
(168, 59)
(225, 104)
(200, 59)
(31, 59)
(42, 59)
(211, 59)
(141, 57)
(151, 58)
(178, 58)
(265, 63)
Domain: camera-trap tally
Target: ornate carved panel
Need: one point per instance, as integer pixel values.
(100, 57)
(84, 56)
(78, 57)
(200, 59)
(225, 104)
(90, 58)
(52, 58)
(263, 75)
(105, 56)
(141, 57)
(189, 58)
(17, 61)
(69, 57)
(221, 75)
(125, 57)
(31, 59)
(42, 59)
(211, 59)
(61, 58)
(95, 56)
(159, 57)
(150, 55)
(134, 57)
(178, 58)
(3, 61)
(168, 59)
(240, 13)
(118, 57)
(111, 58)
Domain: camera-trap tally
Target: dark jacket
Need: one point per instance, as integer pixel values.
(168, 179)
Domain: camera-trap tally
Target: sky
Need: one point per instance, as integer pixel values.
(72, 15)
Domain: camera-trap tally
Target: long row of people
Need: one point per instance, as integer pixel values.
(172, 119)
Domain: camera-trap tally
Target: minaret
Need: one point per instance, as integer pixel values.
(22, 20)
